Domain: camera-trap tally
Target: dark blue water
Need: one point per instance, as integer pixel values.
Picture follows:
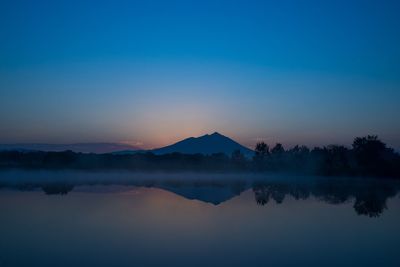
(111, 219)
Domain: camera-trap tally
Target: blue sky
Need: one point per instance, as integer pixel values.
(153, 72)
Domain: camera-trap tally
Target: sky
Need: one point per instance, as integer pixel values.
(150, 73)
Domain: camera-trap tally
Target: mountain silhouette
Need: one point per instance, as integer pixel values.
(206, 144)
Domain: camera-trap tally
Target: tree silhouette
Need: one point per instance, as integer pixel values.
(261, 155)
(262, 150)
(373, 157)
(278, 149)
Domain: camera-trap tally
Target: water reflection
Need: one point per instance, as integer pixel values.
(57, 189)
(369, 196)
(125, 219)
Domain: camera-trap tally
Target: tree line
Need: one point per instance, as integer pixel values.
(368, 156)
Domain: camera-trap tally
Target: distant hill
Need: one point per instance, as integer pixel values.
(206, 144)
(78, 147)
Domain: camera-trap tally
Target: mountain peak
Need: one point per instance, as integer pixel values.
(206, 144)
(214, 134)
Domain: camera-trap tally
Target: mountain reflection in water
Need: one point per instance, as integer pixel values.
(368, 195)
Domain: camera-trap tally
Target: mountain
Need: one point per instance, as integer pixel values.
(78, 147)
(206, 144)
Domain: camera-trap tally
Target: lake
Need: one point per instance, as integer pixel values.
(129, 219)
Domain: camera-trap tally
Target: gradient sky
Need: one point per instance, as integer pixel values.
(153, 72)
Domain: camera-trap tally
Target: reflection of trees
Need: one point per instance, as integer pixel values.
(332, 193)
(299, 192)
(278, 191)
(372, 207)
(370, 197)
(263, 193)
(57, 189)
(372, 200)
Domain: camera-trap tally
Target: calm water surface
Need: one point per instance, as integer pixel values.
(111, 219)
